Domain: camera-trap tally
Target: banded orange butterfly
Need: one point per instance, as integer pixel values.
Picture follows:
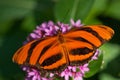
(74, 47)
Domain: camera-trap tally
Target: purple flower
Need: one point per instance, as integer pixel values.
(84, 68)
(95, 57)
(48, 28)
(63, 27)
(66, 74)
(77, 76)
(76, 24)
(51, 29)
(43, 30)
(32, 74)
(72, 68)
(71, 71)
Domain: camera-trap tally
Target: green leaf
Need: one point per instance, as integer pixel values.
(11, 9)
(94, 66)
(72, 9)
(110, 53)
(108, 77)
(98, 8)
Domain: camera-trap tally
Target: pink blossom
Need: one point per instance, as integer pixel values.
(96, 55)
(77, 76)
(66, 74)
(72, 68)
(32, 74)
(84, 68)
(76, 24)
(63, 27)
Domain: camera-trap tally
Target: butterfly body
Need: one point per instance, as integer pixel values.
(74, 47)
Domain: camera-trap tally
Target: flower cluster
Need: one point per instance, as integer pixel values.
(71, 71)
(50, 29)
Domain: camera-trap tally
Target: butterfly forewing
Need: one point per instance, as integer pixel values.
(103, 31)
(45, 54)
(31, 52)
(22, 54)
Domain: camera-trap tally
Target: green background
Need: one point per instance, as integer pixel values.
(19, 17)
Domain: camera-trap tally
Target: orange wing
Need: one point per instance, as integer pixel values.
(45, 54)
(83, 42)
(55, 53)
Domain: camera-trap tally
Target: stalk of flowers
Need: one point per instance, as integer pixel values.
(51, 29)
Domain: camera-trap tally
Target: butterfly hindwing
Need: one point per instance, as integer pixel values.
(53, 59)
(79, 52)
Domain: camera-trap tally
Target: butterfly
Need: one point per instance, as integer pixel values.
(74, 47)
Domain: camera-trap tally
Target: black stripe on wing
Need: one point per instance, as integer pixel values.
(80, 51)
(32, 46)
(46, 48)
(93, 32)
(83, 40)
(51, 60)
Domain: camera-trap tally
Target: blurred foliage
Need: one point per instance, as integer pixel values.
(19, 17)
(94, 66)
(75, 10)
